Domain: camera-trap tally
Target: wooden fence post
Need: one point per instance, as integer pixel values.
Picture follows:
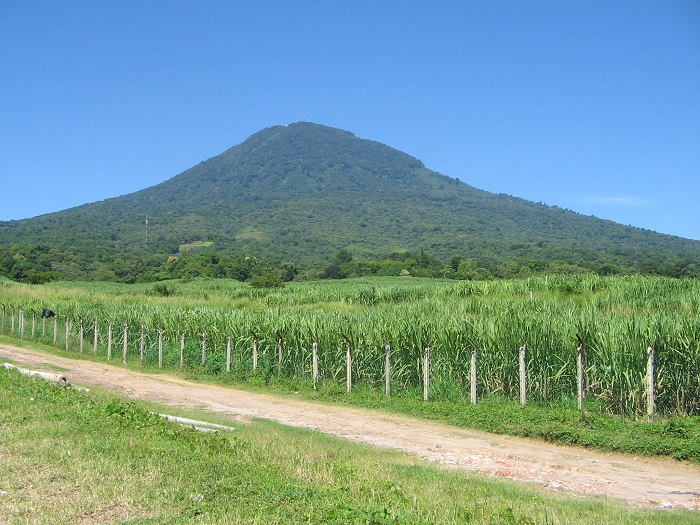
(348, 363)
(472, 376)
(12, 322)
(125, 342)
(314, 363)
(109, 341)
(43, 325)
(579, 372)
(142, 343)
(228, 354)
(182, 349)
(55, 329)
(82, 334)
(256, 344)
(160, 348)
(426, 371)
(650, 381)
(94, 338)
(280, 350)
(67, 331)
(204, 348)
(523, 374)
(33, 325)
(20, 323)
(387, 370)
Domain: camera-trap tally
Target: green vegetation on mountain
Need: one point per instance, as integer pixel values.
(300, 194)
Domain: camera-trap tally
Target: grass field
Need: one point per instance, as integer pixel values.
(69, 457)
(617, 318)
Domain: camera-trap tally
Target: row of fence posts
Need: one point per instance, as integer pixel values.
(522, 354)
(20, 324)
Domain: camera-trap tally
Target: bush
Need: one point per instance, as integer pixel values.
(162, 290)
(267, 280)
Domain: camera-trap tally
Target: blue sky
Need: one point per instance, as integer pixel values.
(588, 105)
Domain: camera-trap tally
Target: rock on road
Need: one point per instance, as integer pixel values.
(645, 481)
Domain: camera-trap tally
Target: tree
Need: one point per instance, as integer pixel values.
(289, 271)
(334, 269)
(343, 256)
(468, 270)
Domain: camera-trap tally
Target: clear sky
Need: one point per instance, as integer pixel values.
(588, 105)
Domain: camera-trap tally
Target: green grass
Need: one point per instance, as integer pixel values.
(72, 457)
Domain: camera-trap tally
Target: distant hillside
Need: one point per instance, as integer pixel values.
(303, 192)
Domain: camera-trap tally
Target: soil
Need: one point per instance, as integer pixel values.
(655, 482)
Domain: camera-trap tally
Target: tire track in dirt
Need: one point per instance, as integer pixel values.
(646, 481)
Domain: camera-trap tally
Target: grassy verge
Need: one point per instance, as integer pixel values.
(78, 458)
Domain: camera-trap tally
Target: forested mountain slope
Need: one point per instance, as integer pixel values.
(305, 191)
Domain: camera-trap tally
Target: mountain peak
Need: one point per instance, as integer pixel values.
(310, 138)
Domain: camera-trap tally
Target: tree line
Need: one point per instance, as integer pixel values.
(36, 264)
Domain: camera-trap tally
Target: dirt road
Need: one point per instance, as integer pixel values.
(655, 482)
